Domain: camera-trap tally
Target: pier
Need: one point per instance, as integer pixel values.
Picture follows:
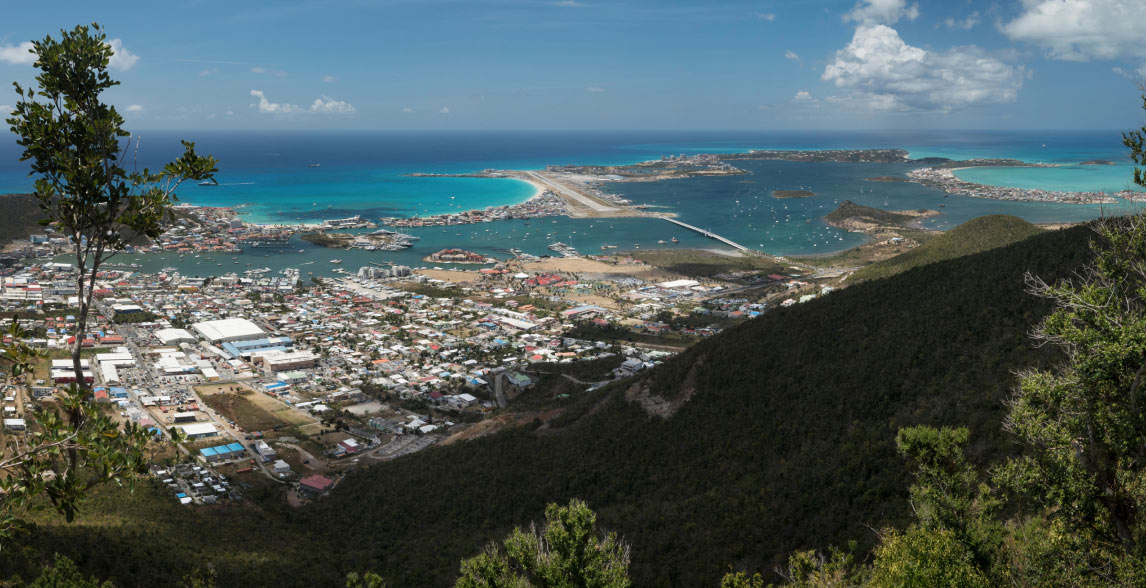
(708, 234)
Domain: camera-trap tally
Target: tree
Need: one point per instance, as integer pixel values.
(566, 553)
(73, 142)
(947, 493)
(367, 580)
(64, 573)
(1084, 424)
(923, 558)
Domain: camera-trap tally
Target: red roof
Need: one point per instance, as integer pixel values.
(316, 482)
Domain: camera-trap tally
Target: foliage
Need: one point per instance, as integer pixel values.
(924, 558)
(63, 573)
(367, 580)
(566, 553)
(1084, 423)
(72, 140)
(947, 493)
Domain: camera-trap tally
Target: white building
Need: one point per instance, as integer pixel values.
(234, 329)
(174, 336)
(199, 430)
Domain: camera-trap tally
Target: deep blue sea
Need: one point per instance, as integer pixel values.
(268, 176)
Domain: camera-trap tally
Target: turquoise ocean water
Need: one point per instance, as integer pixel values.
(267, 175)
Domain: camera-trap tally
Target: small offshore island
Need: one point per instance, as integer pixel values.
(792, 193)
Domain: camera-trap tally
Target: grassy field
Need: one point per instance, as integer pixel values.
(705, 264)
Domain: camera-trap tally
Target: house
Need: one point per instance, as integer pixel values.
(315, 485)
(266, 452)
(281, 467)
(632, 366)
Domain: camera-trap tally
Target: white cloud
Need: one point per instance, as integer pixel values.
(1080, 30)
(1137, 75)
(444, 110)
(965, 24)
(328, 105)
(803, 96)
(230, 113)
(407, 109)
(329, 79)
(882, 11)
(121, 58)
(766, 16)
(208, 72)
(789, 54)
(568, 3)
(885, 73)
(134, 108)
(264, 71)
(5, 109)
(17, 54)
(321, 105)
(596, 89)
(267, 107)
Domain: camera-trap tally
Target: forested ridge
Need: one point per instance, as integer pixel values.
(786, 443)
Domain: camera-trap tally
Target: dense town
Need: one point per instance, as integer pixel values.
(272, 379)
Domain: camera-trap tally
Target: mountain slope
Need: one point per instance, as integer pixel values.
(974, 236)
(785, 443)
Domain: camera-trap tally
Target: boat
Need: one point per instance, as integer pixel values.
(660, 242)
(675, 240)
(314, 165)
(336, 261)
(208, 183)
(302, 251)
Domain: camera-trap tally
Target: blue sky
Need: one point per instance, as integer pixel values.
(604, 64)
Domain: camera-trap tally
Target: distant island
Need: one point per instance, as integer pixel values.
(1097, 162)
(887, 179)
(792, 193)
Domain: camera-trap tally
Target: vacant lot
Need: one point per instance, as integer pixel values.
(253, 411)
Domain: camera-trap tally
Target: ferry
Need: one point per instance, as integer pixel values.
(208, 183)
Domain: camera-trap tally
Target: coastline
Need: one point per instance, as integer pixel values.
(946, 180)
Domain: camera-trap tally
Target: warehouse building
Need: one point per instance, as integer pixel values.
(224, 330)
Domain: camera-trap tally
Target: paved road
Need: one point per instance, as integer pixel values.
(498, 392)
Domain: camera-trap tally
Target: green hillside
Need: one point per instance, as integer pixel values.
(21, 217)
(785, 443)
(973, 236)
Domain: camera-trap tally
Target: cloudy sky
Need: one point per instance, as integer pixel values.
(609, 64)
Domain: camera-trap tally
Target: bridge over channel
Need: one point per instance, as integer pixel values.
(708, 234)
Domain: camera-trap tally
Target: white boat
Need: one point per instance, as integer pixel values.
(336, 261)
